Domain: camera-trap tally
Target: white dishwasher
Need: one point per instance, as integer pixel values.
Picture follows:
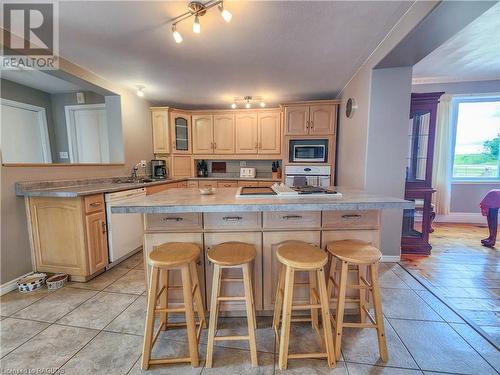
(125, 231)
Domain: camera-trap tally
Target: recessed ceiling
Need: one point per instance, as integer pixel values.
(40, 81)
(283, 51)
(473, 54)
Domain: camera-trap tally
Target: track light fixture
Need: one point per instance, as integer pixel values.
(197, 9)
(140, 91)
(248, 101)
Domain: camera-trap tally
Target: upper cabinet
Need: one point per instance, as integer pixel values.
(161, 136)
(181, 132)
(224, 134)
(269, 132)
(317, 119)
(203, 129)
(246, 133)
(213, 134)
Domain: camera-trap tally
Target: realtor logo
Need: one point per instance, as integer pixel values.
(30, 35)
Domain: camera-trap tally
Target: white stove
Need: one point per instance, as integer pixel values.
(305, 175)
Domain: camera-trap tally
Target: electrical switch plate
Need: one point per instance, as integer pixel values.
(80, 97)
(63, 155)
(143, 163)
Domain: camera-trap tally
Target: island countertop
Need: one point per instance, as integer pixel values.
(225, 200)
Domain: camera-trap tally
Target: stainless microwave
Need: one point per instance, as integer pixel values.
(308, 150)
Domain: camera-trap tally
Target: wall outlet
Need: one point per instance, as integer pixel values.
(143, 163)
(243, 163)
(63, 155)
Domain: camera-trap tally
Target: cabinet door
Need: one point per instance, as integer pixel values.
(246, 133)
(161, 142)
(97, 241)
(269, 133)
(322, 119)
(271, 241)
(224, 134)
(296, 120)
(235, 288)
(203, 134)
(181, 133)
(182, 166)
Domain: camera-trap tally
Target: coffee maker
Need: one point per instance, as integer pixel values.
(158, 169)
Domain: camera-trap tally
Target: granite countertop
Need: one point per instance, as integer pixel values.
(224, 200)
(82, 187)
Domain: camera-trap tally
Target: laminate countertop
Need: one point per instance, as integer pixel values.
(225, 200)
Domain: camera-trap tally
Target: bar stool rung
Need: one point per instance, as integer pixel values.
(231, 338)
(159, 310)
(230, 298)
(359, 325)
(158, 333)
(160, 292)
(166, 361)
(231, 279)
(306, 306)
(307, 355)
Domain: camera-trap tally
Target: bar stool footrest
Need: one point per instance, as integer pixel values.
(231, 338)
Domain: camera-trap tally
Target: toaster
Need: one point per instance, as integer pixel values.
(247, 172)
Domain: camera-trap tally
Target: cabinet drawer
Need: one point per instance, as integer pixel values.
(266, 183)
(182, 184)
(350, 219)
(248, 183)
(94, 203)
(205, 184)
(292, 220)
(192, 184)
(173, 222)
(226, 184)
(232, 220)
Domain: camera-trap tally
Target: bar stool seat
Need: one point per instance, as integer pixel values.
(301, 255)
(354, 251)
(173, 254)
(232, 253)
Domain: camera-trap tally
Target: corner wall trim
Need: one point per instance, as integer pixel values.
(461, 217)
(390, 258)
(11, 285)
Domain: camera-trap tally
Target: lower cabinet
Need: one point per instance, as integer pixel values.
(97, 241)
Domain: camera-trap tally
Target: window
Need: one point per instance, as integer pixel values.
(476, 122)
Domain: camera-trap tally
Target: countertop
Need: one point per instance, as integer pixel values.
(75, 188)
(224, 200)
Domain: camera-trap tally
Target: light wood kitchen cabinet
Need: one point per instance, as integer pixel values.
(248, 183)
(269, 132)
(224, 134)
(226, 184)
(235, 288)
(182, 166)
(203, 133)
(69, 235)
(192, 184)
(181, 132)
(246, 133)
(161, 135)
(310, 119)
(271, 265)
(159, 188)
(207, 183)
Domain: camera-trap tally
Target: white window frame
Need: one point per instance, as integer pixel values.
(42, 121)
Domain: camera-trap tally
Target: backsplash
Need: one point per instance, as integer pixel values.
(263, 168)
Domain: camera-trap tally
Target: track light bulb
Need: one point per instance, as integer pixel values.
(233, 106)
(225, 13)
(248, 105)
(262, 104)
(140, 91)
(196, 25)
(177, 35)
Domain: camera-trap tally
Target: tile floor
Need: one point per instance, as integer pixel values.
(97, 327)
(463, 274)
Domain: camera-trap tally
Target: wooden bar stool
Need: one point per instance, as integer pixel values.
(360, 255)
(173, 256)
(232, 255)
(300, 256)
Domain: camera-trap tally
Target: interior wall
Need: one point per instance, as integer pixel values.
(15, 255)
(465, 196)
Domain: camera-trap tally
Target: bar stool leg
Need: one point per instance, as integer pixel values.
(278, 303)
(252, 295)
(313, 285)
(287, 317)
(247, 282)
(212, 324)
(150, 317)
(339, 319)
(190, 322)
(164, 274)
(327, 325)
(362, 293)
(197, 295)
(331, 278)
(379, 318)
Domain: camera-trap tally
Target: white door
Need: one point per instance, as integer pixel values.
(24, 133)
(87, 134)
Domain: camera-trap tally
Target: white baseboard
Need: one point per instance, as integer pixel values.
(390, 258)
(11, 285)
(461, 217)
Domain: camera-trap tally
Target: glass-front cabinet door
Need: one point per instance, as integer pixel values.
(181, 132)
(418, 143)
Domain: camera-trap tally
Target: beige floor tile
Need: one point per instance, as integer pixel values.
(311, 367)
(235, 361)
(406, 304)
(238, 326)
(14, 332)
(444, 311)
(132, 319)
(98, 311)
(134, 282)
(358, 369)
(55, 305)
(48, 350)
(449, 351)
(108, 353)
(103, 280)
(388, 279)
(493, 332)
(15, 300)
(361, 346)
(132, 261)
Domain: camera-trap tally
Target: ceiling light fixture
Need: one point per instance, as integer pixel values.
(140, 91)
(248, 101)
(197, 9)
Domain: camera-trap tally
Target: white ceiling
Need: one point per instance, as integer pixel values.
(281, 50)
(473, 54)
(39, 80)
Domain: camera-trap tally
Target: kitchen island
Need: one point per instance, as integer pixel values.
(187, 216)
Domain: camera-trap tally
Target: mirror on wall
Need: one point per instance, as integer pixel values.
(46, 119)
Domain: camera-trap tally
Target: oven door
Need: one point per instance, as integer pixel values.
(308, 153)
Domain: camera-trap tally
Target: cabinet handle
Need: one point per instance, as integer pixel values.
(95, 204)
(292, 217)
(173, 145)
(215, 145)
(104, 229)
(256, 145)
(173, 219)
(351, 216)
(307, 124)
(232, 218)
(312, 124)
